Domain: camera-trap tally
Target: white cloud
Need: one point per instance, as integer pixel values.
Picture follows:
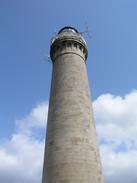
(36, 119)
(116, 119)
(21, 157)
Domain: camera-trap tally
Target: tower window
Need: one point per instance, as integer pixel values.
(58, 47)
(80, 47)
(75, 45)
(69, 44)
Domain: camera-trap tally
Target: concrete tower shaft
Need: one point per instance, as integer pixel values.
(71, 153)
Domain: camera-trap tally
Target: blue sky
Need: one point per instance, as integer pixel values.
(26, 28)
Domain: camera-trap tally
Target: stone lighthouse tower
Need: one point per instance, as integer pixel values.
(71, 152)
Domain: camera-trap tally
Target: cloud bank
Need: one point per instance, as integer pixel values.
(21, 156)
(116, 119)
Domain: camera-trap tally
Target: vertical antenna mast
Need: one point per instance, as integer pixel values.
(87, 30)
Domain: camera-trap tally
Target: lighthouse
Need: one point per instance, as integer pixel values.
(71, 149)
